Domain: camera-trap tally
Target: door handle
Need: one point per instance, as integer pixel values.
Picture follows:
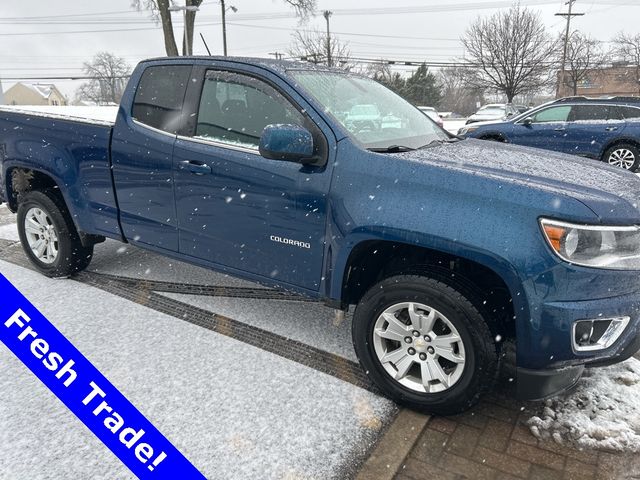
(560, 129)
(611, 129)
(198, 168)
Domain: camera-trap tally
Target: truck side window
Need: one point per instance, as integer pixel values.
(235, 108)
(160, 95)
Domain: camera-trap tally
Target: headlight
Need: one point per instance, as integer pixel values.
(594, 246)
(465, 130)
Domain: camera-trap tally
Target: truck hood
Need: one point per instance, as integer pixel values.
(611, 193)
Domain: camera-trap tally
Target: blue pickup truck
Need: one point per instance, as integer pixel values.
(448, 248)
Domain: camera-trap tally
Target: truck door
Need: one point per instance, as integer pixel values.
(236, 208)
(142, 156)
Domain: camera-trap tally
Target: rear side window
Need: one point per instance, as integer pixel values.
(159, 96)
(629, 113)
(589, 113)
(235, 108)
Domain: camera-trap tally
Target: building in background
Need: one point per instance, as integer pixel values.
(23, 93)
(617, 80)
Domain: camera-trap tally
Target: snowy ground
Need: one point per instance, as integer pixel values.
(234, 410)
(603, 412)
(453, 125)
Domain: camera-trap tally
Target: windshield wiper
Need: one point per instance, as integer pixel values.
(432, 143)
(391, 149)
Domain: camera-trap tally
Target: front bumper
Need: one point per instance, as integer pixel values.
(547, 361)
(545, 383)
(541, 384)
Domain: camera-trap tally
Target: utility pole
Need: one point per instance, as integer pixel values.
(188, 48)
(327, 14)
(568, 16)
(224, 24)
(277, 55)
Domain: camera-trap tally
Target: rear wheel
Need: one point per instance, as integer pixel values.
(424, 344)
(48, 235)
(623, 155)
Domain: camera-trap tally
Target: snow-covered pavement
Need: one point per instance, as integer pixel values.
(602, 412)
(234, 410)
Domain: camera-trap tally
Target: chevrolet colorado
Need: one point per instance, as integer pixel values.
(448, 248)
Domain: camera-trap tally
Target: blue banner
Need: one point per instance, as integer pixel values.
(86, 392)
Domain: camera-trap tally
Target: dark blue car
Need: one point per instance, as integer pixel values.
(606, 129)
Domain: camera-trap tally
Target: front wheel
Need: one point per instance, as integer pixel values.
(424, 344)
(48, 235)
(623, 155)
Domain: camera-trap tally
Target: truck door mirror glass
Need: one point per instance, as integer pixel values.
(291, 143)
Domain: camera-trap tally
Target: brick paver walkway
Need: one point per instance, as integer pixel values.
(491, 442)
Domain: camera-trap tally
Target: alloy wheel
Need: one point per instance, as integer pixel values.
(419, 347)
(41, 235)
(622, 157)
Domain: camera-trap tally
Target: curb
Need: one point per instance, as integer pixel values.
(394, 446)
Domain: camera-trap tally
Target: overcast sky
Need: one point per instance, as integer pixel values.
(53, 37)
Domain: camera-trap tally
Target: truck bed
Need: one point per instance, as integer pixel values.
(74, 151)
(100, 115)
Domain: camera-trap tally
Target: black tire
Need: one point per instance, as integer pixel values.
(620, 147)
(72, 256)
(480, 369)
(493, 138)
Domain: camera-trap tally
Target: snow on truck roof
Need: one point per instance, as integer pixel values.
(279, 66)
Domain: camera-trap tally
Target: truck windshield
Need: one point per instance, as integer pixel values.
(372, 114)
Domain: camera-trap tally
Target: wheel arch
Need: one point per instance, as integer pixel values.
(494, 136)
(619, 141)
(374, 258)
(24, 179)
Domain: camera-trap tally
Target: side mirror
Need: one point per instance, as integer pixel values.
(290, 143)
(527, 121)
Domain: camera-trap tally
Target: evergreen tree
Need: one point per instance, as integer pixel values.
(422, 87)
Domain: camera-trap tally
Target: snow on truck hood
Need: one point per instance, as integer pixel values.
(604, 189)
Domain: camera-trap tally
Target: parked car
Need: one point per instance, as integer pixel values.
(364, 116)
(433, 114)
(522, 108)
(447, 249)
(606, 129)
(493, 111)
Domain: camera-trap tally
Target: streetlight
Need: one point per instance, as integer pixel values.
(184, 10)
(224, 24)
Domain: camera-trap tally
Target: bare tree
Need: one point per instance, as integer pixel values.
(312, 46)
(584, 54)
(109, 78)
(457, 94)
(160, 14)
(511, 52)
(627, 47)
